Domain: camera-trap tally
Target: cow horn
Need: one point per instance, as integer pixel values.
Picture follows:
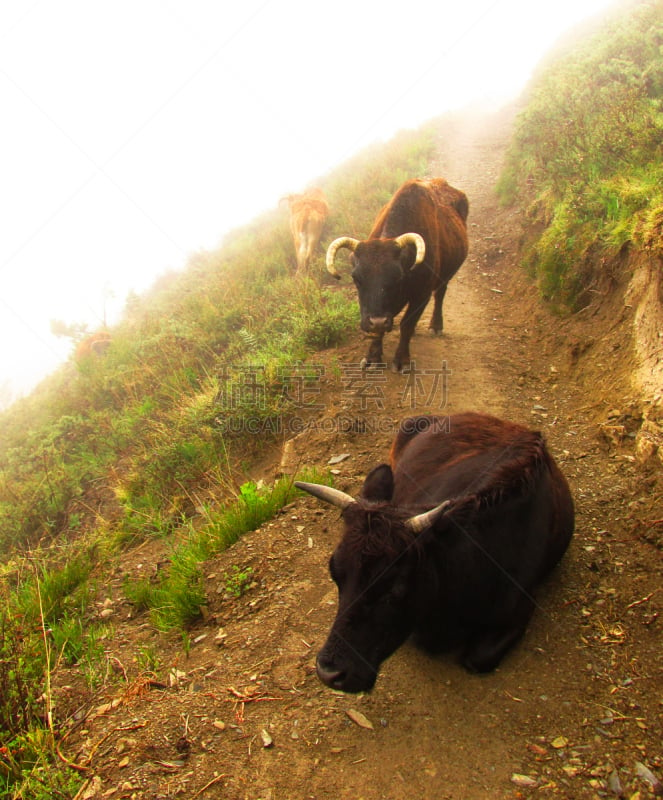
(420, 522)
(334, 247)
(417, 241)
(326, 493)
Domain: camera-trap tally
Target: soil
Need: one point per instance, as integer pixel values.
(574, 711)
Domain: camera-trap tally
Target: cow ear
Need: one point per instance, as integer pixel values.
(379, 485)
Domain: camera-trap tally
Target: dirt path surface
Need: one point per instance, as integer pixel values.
(575, 706)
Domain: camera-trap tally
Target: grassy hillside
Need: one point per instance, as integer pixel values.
(587, 155)
(151, 440)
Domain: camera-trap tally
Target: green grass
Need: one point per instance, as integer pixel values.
(175, 600)
(587, 158)
(29, 764)
(145, 441)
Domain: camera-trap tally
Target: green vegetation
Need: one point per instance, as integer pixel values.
(587, 156)
(238, 580)
(153, 440)
(175, 599)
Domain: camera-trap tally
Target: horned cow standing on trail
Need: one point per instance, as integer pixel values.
(308, 212)
(417, 244)
(447, 543)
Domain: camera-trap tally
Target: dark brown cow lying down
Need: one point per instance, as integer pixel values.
(418, 242)
(448, 543)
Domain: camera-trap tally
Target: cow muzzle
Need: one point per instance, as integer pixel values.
(378, 325)
(345, 681)
(329, 676)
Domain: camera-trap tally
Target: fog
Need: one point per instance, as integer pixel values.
(138, 133)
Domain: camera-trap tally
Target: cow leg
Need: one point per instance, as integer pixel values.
(302, 253)
(436, 323)
(374, 355)
(486, 648)
(412, 314)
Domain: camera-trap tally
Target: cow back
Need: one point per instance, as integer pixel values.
(435, 210)
(311, 202)
(488, 468)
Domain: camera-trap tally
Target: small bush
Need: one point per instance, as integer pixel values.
(237, 580)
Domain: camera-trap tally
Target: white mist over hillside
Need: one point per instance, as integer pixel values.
(137, 134)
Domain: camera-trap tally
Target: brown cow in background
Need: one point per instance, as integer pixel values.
(308, 212)
(417, 244)
(96, 344)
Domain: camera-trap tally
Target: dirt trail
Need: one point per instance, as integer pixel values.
(579, 697)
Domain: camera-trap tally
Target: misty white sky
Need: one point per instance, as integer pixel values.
(136, 133)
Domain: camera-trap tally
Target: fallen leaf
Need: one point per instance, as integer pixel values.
(559, 741)
(523, 780)
(359, 719)
(615, 785)
(645, 773)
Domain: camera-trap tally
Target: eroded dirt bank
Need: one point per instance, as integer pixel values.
(579, 698)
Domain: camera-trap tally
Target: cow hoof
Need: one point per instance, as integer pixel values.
(434, 332)
(366, 364)
(404, 367)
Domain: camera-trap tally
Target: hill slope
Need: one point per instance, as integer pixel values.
(574, 701)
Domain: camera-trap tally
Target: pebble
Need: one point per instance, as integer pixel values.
(266, 739)
(338, 459)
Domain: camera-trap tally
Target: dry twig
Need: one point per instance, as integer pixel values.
(207, 785)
